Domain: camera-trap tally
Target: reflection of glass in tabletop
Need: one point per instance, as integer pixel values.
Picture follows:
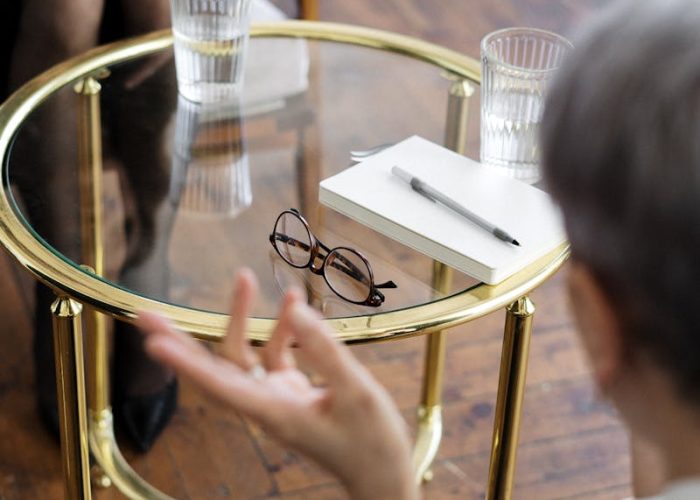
(210, 173)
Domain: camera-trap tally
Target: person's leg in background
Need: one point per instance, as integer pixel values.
(143, 16)
(145, 393)
(50, 31)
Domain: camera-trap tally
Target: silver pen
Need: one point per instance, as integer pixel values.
(433, 194)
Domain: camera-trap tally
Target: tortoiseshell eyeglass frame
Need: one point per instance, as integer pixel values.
(374, 297)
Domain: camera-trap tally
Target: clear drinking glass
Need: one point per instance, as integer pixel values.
(211, 37)
(211, 172)
(517, 65)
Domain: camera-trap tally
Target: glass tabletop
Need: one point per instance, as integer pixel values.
(190, 192)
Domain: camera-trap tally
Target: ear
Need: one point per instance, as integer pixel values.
(598, 324)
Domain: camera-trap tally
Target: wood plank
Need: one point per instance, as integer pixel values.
(323, 492)
(576, 466)
(551, 411)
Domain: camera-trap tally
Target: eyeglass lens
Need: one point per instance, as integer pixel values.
(292, 240)
(348, 275)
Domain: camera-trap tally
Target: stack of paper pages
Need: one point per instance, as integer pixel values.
(370, 194)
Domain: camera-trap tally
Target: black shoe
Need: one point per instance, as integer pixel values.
(143, 418)
(145, 392)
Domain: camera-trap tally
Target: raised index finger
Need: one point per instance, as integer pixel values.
(235, 346)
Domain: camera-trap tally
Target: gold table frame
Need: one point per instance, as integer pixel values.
(85, 415)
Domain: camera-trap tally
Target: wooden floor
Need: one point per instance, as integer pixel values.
(572, 446)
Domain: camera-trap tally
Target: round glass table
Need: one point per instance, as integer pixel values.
(122, 196)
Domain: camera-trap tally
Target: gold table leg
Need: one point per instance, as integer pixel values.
(308, 10)
(457, 114)
(511, 386)
(92, 248)
(430, 410)
(98, 430)
(70, 384)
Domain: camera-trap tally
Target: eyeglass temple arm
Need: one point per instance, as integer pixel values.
(377, 296)
(386, 284)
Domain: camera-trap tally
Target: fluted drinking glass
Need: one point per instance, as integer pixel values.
(517, 65)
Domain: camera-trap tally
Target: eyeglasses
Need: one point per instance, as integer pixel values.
(346, 271)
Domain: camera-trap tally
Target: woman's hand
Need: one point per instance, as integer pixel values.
(349, 425)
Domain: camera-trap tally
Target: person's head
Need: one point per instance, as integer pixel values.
(621, 155)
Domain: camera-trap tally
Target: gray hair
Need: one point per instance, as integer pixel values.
(621, 154)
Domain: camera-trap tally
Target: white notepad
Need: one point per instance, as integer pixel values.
(370, 194)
